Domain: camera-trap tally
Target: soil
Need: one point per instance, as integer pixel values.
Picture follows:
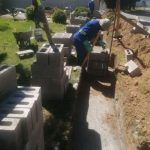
(133, 94)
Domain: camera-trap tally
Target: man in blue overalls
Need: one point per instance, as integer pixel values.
(82, 38)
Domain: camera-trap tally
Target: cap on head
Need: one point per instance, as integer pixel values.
(105, 24)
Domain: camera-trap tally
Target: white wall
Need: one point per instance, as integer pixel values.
(141, 3)
(47, 3)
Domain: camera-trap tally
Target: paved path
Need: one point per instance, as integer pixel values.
(95, 126)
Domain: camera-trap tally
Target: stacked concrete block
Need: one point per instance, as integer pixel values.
(8, 82)
(10, 134)
(98, 61)
(133, 68)
(128, 55)
(66, 39)
(52, 88)
(25, 106)
(50, 75)
(47, 72)
(25, 119)
(70, 28)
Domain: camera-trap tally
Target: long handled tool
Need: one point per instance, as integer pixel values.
(43, 19)
(87, 56)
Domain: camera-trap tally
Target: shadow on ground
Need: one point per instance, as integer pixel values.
(65, 125)
(23, 75)
(3, 56)
(58, 126)
(144, 146)
(84, 138)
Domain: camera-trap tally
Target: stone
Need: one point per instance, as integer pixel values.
(25, 53)
(133, 68)
(128, 55)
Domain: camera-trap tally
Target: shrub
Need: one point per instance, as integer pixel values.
(59, 16)
(79, 10)
(30, 13)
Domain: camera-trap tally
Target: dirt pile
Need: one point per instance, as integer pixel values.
(133, 94)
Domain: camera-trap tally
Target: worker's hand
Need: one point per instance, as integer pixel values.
(87, 45)
(101, 43)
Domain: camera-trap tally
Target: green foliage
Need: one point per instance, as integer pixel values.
(59, 16)
(79, 10)
(8, 46)
(30, 13)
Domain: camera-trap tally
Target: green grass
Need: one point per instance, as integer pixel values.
(8, 46)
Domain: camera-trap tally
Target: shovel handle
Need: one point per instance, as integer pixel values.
(87, 56)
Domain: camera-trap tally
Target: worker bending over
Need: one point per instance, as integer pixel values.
(82, 38)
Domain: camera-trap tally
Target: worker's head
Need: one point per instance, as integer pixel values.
(105, 24)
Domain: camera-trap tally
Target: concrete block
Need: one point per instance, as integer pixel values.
(46, 55)
(37, 100)
(99, 54)
(10, 134)
(98, 68)
(98, 61)
(67, 51)
(54, 71)
(78, 20)
(63, 38)
(42, 56)
(25, 53)
(70, 28)
(133, 68)
(19, 102)
(35, 143)
(25, 117)
(8, 82)
(128, 55)
(52, 88)
(31, 89)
